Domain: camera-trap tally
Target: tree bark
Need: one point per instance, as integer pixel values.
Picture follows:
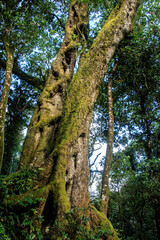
(57, 140)
(108, 160)
(44, 124)
(6, 89)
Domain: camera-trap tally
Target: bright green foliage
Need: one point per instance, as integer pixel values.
(2, 231)
(23, 180)
(31, 33)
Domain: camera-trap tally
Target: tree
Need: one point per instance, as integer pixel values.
(108, 160)
(19, 110)
(6, 88)
(136, 118)
(15, 33)
(135, 88)
(56, 146)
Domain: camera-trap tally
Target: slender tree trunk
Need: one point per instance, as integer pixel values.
(108, 161)
(57, 140)
(6, 89)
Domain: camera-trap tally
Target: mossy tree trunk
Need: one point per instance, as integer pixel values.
(57, 140)
(44, 124)
(6, 88)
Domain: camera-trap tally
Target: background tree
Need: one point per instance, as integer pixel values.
(22, 24)
(110, 140)
(22, 100)
(5, 92)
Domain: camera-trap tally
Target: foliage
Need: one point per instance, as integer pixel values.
(23, 180)
(136, 77)
(132, 208)
(77, 227)
(134, 177)
(18, 114)
(19, 222)
(2, 232)
(29, 21)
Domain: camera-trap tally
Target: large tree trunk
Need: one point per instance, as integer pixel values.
(43, 127)
(6, 89)
(57, 141)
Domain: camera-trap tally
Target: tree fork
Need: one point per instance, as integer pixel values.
(44, 123)
(70, 173)
(77, 112)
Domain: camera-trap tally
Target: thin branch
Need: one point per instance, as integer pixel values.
(59, 20)
(95, 160)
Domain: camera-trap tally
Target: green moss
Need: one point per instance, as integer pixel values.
(1, 147)
(36, 196)
(100, 220)
(5, 91)
(21, 181)
(84, 224)
(58, 185)
(47, 120)
(50, 88)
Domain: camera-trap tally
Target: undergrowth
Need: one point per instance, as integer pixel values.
(19, 221)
